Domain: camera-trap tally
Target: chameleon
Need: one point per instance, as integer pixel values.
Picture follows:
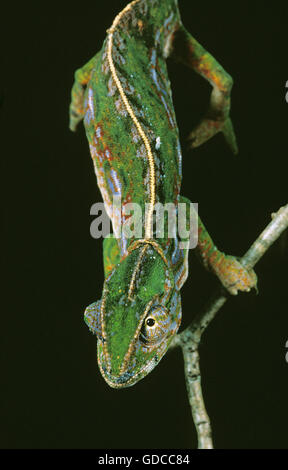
(123, 94)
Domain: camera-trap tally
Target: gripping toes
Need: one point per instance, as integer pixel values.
(234, 276)
(210, 127)
(203, 132)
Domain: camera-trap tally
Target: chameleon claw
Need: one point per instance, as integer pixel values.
(210, 127)
(234, 277)
(203, 132)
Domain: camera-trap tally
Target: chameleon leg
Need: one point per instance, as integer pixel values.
(227, 268)
(187, 50)
(111, 254)
(82, 77)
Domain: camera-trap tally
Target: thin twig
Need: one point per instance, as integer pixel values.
(190, 338)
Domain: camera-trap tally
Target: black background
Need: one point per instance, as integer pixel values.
(52, 394)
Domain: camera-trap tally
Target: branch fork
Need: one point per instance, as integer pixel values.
(190, 338)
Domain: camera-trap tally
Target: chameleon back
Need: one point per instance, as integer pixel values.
(141, 43)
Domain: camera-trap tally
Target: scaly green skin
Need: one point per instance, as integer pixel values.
(140, 309)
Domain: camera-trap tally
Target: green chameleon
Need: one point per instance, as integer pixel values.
(124, 95)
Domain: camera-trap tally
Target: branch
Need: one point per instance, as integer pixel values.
(190, 338)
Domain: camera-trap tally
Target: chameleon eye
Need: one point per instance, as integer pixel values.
(154, 327)
(150, 322)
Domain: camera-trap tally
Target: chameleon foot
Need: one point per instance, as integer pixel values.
(210, 127)
(233, 276)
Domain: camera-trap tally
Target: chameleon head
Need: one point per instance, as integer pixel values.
(137, 317)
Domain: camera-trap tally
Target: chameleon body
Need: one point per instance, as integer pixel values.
(124, 96)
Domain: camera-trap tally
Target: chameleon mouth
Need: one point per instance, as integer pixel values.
(128, 378)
